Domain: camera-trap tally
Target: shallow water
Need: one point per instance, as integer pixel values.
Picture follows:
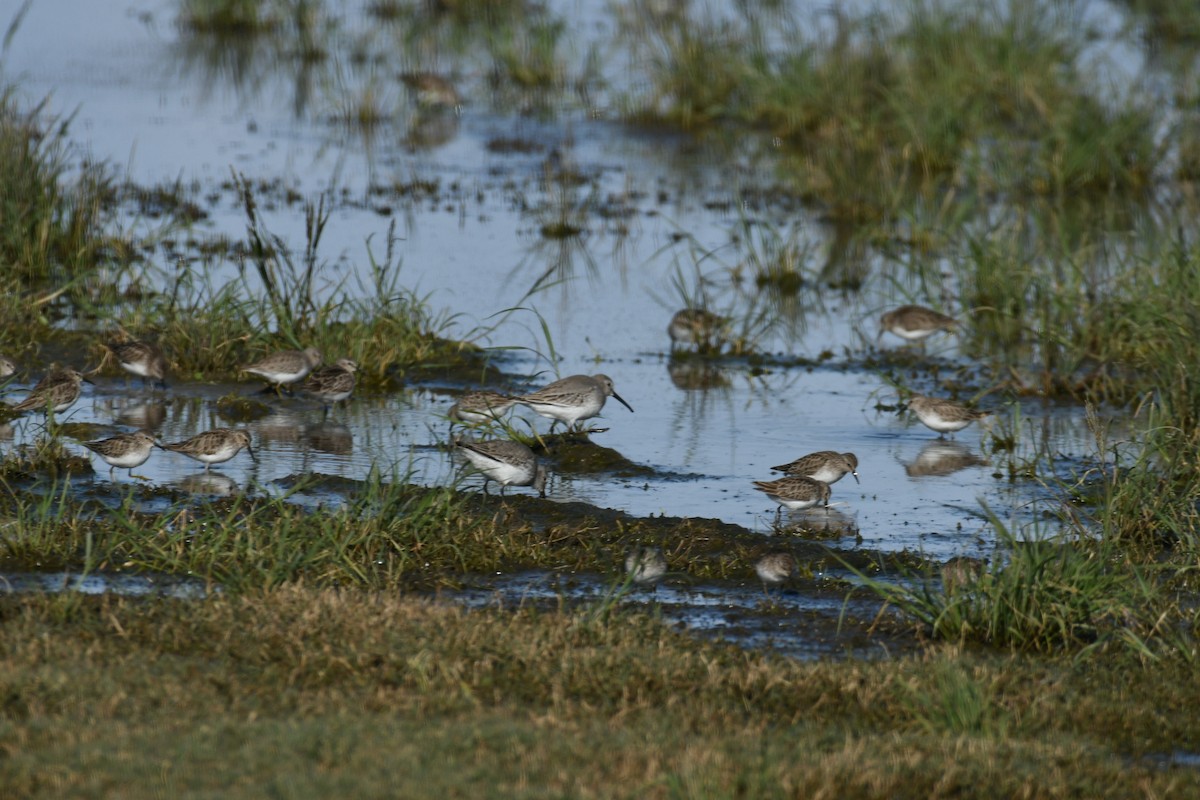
(794, 623)
(141, 585)
(151, 100)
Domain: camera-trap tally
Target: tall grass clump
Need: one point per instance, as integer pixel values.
(993, 93)
(231, 17)
(52, 211)
(1042, 594)
(1111, 318)
(285, 299)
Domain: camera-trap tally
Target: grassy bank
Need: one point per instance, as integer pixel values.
(72, 279)
(306, 693)
(384, 534)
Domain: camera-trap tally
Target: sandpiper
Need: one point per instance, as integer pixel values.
(125, 450)
(142, 359)
(826, 466)
(645, 564)
(506, 462)
(432, 91)
(56, 391)
(480, 408)
(961, 572)
(333, 384)
(795, 492)
(572, 399)
(215, 446)
(285, 366)
(775, 567)
(913, 323)
(7, 368)
(694, 326)
(943, 416)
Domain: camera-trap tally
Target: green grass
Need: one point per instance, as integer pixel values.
(232, 17)
(1044, 594)
(385, 534)
(969, 149)
(999, 97)
(383, 326)
(58, 258)
(309, 693)
(52, 224)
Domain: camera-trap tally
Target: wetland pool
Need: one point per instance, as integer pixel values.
(655, 213)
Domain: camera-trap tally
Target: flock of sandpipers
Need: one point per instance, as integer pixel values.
(571, 400)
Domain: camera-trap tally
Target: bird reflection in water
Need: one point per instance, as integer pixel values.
(942, 457)
(332, 438)
(210, 483)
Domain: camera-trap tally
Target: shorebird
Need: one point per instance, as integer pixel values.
(285, 366)
(774, 568)
(333, 384)
(55, 392)
(214, 446)
(943, 416)
(694, 326)
(795, 492)
(506, 462)
(125, 450)
(826, 466)
(480, 407)
(645, 564)
(913, 323)
(142, 359)
(572, 399)
(961, 572)
(432, 91)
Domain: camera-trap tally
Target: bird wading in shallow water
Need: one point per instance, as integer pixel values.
(506, 462)
(913, 323)
(214, 447)
(125, 450)
(142, 359)
(479, 408)
(795, 492)
(774, 568)
(695, 326)
(572, 400)
(826, 466)
(54, 393)
(432, 92)
(943, 416)
(645, 564)
(333, 384)
(285, 367)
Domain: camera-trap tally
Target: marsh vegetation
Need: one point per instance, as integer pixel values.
(990, 160)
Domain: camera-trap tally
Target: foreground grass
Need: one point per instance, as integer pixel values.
(386, 535)
(309, 693)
